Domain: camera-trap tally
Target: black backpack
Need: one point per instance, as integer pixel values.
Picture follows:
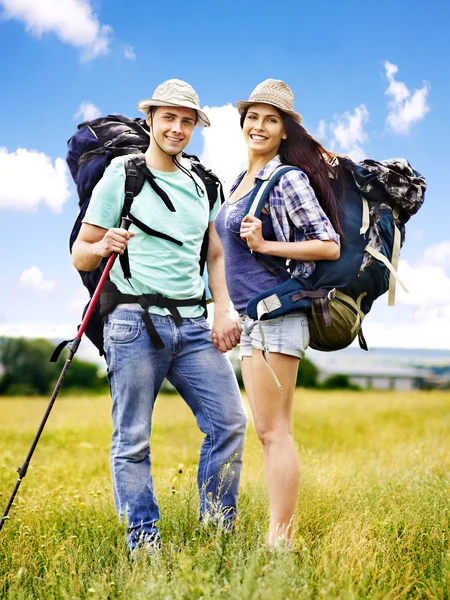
(90, 150)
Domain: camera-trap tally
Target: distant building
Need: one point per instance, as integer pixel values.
(381, 377)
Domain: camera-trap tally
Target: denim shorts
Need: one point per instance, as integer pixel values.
(288, 334)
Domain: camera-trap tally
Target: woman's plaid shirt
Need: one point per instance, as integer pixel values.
(295, 211)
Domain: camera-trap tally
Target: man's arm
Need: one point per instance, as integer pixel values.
(94, 243)
(225, 331)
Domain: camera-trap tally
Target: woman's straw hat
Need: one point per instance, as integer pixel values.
(175, 92)
(274, 92)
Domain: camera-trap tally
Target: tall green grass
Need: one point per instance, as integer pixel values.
(372, 518)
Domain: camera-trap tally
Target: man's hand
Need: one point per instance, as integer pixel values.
(226, 332)
(115, 241)
(251, 232)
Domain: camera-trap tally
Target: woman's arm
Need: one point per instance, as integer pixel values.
(293, 203)
(225, 332)
(251, 231)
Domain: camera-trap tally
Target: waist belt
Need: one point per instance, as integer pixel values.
(110, 299)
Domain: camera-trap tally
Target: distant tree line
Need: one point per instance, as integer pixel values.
(308, 377)
(25, 369)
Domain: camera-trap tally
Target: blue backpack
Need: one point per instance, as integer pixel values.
(376, 200)
(90, 150)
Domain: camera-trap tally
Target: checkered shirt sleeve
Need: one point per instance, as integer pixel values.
(297, 215)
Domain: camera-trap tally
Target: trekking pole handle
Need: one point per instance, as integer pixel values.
(124, 224)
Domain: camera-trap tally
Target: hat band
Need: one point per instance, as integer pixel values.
(275, 102)
(177, 99)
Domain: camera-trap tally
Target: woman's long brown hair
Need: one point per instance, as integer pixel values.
(301, 150)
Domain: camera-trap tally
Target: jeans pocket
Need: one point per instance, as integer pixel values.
(201, 323)
(122, 332)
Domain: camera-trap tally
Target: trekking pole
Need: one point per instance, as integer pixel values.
(73, 347)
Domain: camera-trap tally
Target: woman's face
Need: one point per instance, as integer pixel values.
(263, 129)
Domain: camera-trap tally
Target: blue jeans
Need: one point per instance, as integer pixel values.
(205, 379)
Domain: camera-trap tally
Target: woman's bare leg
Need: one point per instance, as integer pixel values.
(272, 415)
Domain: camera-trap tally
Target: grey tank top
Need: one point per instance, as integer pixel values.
(245, 276)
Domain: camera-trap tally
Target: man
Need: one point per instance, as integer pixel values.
(197, 368)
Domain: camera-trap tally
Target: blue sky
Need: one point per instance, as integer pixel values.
(369, 82)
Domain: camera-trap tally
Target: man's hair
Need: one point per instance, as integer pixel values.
(152, 110)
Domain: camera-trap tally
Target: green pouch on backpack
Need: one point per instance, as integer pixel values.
(346, 320)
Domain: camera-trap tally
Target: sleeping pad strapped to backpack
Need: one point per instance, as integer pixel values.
(376, 200)
(90, 151)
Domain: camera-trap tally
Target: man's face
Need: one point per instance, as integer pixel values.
(172, 127)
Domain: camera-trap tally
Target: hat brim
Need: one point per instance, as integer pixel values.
(144, 105)
(241, 105)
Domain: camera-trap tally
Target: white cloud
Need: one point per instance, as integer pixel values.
(38, 330)
(88, 111)
(73, 21)
(405, 108)
(77, 303)
(32, 279)
(348, 133)
(427, 283)
(320, 133)
(420, 318)
(129, 52)
(28, 177)
(224, 149)
(423, 329)
(438, 254)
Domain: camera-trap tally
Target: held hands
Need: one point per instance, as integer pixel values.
(115, 240)
(251, 232)
(226, 332)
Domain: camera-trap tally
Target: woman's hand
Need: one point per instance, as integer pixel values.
(226, 332)
(251, 232)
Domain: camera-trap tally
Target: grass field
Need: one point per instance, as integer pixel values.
(372, 522)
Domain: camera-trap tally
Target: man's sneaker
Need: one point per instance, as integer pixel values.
(147, 544)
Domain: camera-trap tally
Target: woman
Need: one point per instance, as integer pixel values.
(300, 223)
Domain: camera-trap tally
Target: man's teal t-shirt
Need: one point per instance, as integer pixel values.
(157, 265)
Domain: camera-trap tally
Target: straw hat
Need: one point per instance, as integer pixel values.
(175, 92)
(274, 92)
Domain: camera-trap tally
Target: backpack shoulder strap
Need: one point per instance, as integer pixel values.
(212, 182)
(136, 174)
(214, 190)
(134, 181)
(143, 174)
(255, 205)
(261, 192)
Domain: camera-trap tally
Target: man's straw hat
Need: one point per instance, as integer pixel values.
(175, 92)
(274, 92)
